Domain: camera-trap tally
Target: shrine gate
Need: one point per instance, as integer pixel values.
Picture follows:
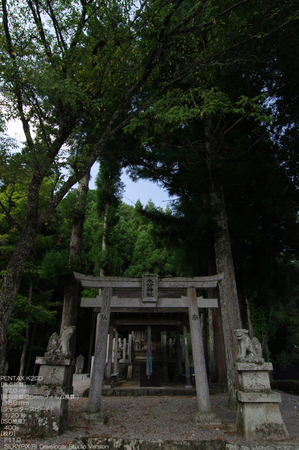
(148, 303)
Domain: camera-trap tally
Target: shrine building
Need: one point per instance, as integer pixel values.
(140, 310)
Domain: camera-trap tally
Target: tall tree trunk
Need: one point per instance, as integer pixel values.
(248, 317)
(211, 347)
(23, 356)
(71, 289)
(229, 304)
(104, 238)
(17, 263)
(10, 286)
(219, 351)
(26, 343)
(220, 361)
(33, 334)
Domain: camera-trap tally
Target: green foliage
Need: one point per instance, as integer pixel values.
(26, 313)
(180, 106)
(188, 79)
(109, 190)
(214, 126)
(90, 293)
(120, 246)
(54, 266)
(151, 253)
(109, 185)
(133, 244)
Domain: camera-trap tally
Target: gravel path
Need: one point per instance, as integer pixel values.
(160, 418)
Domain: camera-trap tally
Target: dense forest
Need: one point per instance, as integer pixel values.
(199, 96)
(143, 240)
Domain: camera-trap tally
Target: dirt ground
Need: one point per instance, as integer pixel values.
(156, 419)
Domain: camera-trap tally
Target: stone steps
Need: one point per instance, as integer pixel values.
(148, 391)
(136, 373)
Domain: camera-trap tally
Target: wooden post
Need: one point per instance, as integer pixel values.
(170, 345)
(201, 379)
(113, 347)
(130, 348)
(179, 350)
(164, 346)
(203, 319)
(219, 352)
(149, 357)
(91, 338)
(96, 384)
(187, 363)
(107, 348)
(212, 364)
(109, 363)
(115, 365)
(164, 356)
(124, 349)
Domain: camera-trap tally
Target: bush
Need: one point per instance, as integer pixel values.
(288, 386)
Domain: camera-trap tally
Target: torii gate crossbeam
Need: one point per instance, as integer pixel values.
(151, 294)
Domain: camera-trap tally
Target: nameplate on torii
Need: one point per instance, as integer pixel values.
(149, 292)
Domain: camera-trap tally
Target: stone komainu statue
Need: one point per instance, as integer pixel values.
(250, 350)
(59, 346)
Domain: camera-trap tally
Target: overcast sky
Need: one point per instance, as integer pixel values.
(142, 190)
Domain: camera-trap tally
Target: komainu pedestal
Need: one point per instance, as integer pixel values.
(46, 413)
(258, 413)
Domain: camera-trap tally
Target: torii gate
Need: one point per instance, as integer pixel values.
(150, 294)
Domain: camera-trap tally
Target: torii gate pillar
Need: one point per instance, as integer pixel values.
(96, 385)
(204, 415)
(148, 300)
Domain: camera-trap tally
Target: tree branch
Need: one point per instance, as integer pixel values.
(9, 217)
(17, 89)
(59, 36)
(39, 24)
